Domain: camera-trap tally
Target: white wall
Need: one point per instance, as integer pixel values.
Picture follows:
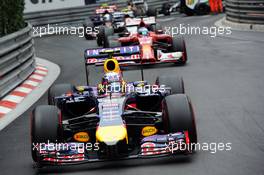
(42, 5)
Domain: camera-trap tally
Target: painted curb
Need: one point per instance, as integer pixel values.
(9, 102)
(30, 91)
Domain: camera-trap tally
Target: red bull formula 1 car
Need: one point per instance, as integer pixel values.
(113, 120)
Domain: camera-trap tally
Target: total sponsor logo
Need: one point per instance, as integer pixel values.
(148, 131)
(81, 137)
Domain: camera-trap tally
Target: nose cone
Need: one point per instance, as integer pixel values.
(110, 135)
(147, 53)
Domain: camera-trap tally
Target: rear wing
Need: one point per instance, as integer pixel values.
(136, 21)
(102, 10)
(125, 56)
(122, 54)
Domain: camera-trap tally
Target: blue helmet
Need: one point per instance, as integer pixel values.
(111, 77)
(107, 17)
(143, 31)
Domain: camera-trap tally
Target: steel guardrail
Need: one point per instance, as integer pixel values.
(17, 59)
(245, 11)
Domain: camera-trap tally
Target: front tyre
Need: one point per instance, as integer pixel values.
(46, 127)
(178, 115)
(178, 45)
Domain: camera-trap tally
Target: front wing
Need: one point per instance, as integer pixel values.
(150, 147)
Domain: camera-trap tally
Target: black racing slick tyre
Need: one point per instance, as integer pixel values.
(178, 115)
(174, 82)
(58, 90)
(202, 9)
(165, 9)
(139, 12)
(88, 26)
(188, 11)
(102, 35)
(178, 45)
(152, 11)
(45, 127)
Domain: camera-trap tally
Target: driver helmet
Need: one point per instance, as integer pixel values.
(112, 81)
(143, 31)
(107, 17)
(111, 77)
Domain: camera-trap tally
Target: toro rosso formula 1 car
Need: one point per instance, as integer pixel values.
(105, 16)
(113, 120)
(150, 43)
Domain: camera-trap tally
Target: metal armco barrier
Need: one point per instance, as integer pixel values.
(245, 11)
(16, 59)
(74, 15)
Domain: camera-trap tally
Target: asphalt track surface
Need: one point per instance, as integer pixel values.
(224, 78)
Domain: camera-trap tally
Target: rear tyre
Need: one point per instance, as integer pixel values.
(178, 45)
(45, 127)
(174, 82)
(178, 115)
(88, 24)
(152, 11)
(139, 12)
(187, 11)
(58, 90)
(100, 36)
(202, 9)
(104, 32)
(165, 9)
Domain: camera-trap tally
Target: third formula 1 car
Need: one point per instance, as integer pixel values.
(106, 17)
